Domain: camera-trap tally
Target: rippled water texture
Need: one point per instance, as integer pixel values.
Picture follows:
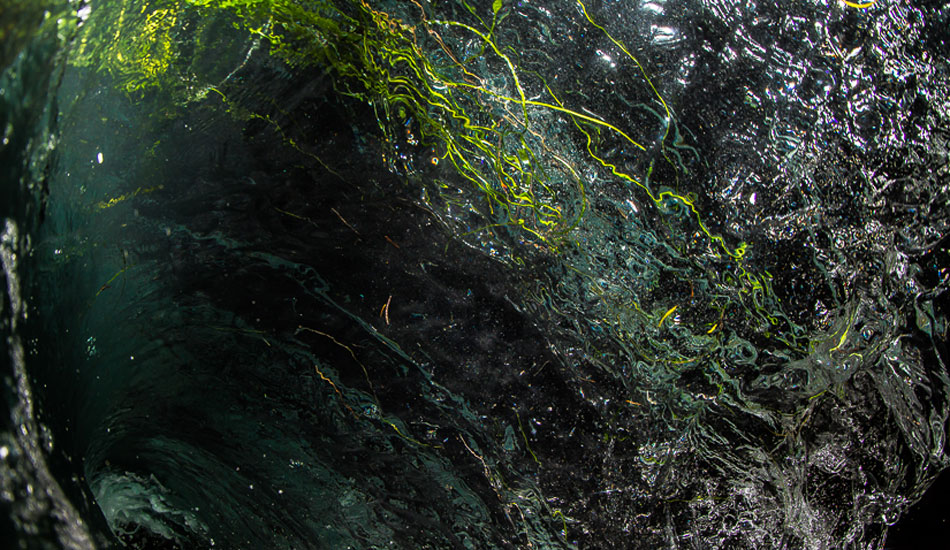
(371, 274)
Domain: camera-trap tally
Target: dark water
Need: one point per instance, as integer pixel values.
(337, 274)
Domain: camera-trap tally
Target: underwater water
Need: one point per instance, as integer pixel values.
(331, 274)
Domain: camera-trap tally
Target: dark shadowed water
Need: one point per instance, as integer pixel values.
(333, 274)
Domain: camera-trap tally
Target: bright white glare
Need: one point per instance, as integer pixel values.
(652, 7)
(606, 57)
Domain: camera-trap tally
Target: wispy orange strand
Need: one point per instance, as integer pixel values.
(337, 390)
(352, 354)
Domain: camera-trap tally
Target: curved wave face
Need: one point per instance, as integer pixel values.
(372, 274)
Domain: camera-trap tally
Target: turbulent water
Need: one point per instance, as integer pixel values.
(447, 274)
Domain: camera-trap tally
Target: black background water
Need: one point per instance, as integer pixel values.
(234, 339)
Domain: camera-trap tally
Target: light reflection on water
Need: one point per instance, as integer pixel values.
(216, 288)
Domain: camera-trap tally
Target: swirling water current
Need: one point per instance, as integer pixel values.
(447, 274)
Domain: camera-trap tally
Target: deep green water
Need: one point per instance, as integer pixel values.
(253, 299)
